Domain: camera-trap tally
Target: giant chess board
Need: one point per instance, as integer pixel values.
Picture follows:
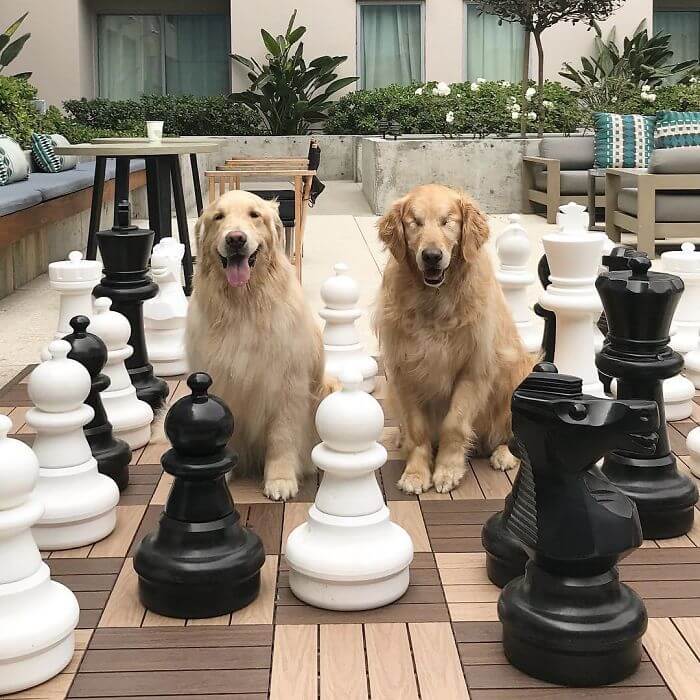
(440, 641)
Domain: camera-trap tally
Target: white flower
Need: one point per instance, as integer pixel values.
(646, 88)
(531, 116)
(530, 93)
(512, 99)
(515, 116)
(475, 87)
(442, 89)
(459, 94)
(505, 83)
(613, 98)
(652, 97)
(419, 91)
(648, 96)
(481, 80)
(450, 117)
(547, 104)
(693, 80)
(516, 107)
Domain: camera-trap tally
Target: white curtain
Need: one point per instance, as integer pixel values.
(392, 44)
(493, 52)
(684, 28)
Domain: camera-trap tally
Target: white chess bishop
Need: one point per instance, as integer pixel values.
(73, 279)
(130, 417)
(38, 616)
(165, 315)
(349, 555)
(513, 249)
(79, 502)
(341, 342)
(574, 255)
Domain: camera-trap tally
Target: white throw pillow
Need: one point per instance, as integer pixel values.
(13, 163)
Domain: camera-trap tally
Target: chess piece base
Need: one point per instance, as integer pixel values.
(505, 556)
(169, 368)
(664, 497)
(195, 570)
(37, 639)
(149, 388)
(349, 562)
(130, 419)
(574, 631)
(112, 455)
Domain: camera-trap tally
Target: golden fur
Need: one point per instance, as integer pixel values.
(452, 353)
(259, 342)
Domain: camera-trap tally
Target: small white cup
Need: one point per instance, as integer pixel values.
(154, 130)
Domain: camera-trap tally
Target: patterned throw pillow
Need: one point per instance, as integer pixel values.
(623, 140)
(13, 163)
(676, 129)
(44, 155)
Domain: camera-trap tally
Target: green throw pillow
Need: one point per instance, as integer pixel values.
(13, 163)
(676, 129)
(623, 140)
(44, 155)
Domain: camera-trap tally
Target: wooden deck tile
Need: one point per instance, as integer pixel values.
(181, 637)
(266, 520)
(294, 515)
(342, 663)
(151, 619)
(689, 627)
(389, 662)
(469, 486)
(160, 493)
(494, 484)
(408, 515)
(294, 663)
(117, 544)
(262, 609)
(123, 608)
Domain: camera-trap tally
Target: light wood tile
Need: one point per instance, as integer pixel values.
(151, 619)
(294, 663)
(160, 495)
(474, 593)
(17, 417)
(389, 662)
(494, 484)
(433, 495)
(408, 515)
(117, 544)
(468, 487)
(206, 621)
(460, 560)
(671, 542)
(473, 612)
(261, 611)
(690, 629)
(153, 452)
(464, 576)
(78, 553)
(123, 608)
(247, 490)
(342, 663)
(294, 515)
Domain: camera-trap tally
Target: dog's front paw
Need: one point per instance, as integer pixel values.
(414, 482)
(281, 489)
(448, 474)
(502, 459)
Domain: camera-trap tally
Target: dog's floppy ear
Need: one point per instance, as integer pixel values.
(277, 223)
(475, 228)
(391, 232)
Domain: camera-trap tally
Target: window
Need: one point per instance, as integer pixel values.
(390, 44)
(492, 51)
(176, 54)
(684, 28)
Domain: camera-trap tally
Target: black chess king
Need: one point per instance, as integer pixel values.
(200, 561)
(569, 620)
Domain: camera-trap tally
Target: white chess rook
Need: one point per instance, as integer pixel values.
(130, 417)
(38, 616)
(80, 503)
(513, 250)
(165, 315)
(349, 555)
(341, 342)
(574, 256)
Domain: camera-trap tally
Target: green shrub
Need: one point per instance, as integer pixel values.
(18, 116)
(56, 122)
(482, 108)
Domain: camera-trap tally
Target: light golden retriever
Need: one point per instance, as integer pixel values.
(250, 328)
(452, 353)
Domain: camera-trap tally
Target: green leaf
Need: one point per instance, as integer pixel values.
(22, 76)
(291, 21)
(340, 84)
(11, 52)
(270, 43)
(15, 25)
(296, 35)
(242, 60)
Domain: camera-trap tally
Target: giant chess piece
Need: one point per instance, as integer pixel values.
(549, 331)
(130, 417)
(574, 255)
(38, 615)
(80, 503)
(639, 306)
(112, 455)
(569, 620)
(513, 250)
(125, 251)
(73, 279)
(200, 561)
(165, 316)
(348, 555)
(341, 342)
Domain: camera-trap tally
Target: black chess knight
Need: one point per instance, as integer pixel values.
(639, 306)
(112, 454)
(200, 561)
(569, 620)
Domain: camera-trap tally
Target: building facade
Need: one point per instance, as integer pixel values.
(123, 48)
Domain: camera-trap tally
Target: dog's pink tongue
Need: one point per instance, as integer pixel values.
(238, 272)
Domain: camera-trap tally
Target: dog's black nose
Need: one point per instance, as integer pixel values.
(235, 240)
(431, 257)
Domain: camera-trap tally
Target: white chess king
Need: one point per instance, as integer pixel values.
(341, 342)
(38, 616)
(349, 555)
(79, 502)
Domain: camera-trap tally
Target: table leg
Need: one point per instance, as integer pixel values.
(98, 188)
(182, 227)
(121, 183)
(158, 186)
(591, 202)
(197, 184)
(298, 224)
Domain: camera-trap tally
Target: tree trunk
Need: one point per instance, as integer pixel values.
(540, 83)
(525, 78)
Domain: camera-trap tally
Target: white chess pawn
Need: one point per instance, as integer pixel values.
(38, 616)
(341, 342)
(165, 316)
(130, 417)
(513, 250)
(80, 503)
(349, 555)
(574, 256)
(693, 444)
(74, 279)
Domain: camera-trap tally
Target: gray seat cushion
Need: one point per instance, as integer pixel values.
(574, 182)
(671, 207)
(572, 152)
(53, 185)
(675, 161)
(17, 196)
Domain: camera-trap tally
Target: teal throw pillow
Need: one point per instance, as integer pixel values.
(623, 140)
(677, 129)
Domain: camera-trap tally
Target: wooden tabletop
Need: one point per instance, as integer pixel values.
(143, 139)
(138, 148)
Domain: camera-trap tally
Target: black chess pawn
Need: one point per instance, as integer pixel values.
(125, 251)
(200, 561)
(569, 620)
(639, 306)
(112, 454)
(549, 333)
